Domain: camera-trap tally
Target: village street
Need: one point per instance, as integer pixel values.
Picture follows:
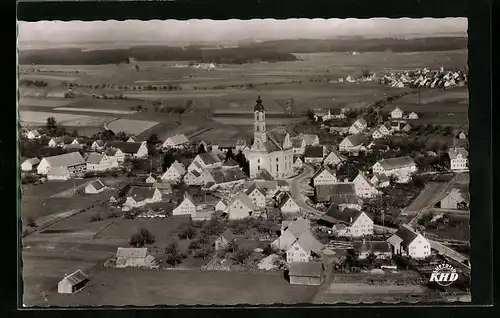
(297, 191)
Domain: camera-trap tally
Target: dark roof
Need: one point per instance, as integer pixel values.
(230, 163)
(347, 216)
(357, 139)
(310, 269)
(283, 199)
(76, 277)
(98, 184)
(209, 158)
(339, 193)
(397, 163)
(263, 174)
(297, 227)
(227, 175)
(372, 246)
(141, 193)
(313, 152)
(228, 235)
(407, 234)
(296, 142)
(323, 168)
(252, 188)
(126, 147)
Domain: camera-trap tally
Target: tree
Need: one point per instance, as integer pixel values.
(168, 159)
(204, 252)
(108, 135)
(51, 124)
(240, 255)
(229, 155)
(243, 162)
(187, 233)
(153, 139)
(180, 110)
(137, 68)
(173, 256)
(141, 238)
(201, 148)
(123, 136)
(310, 114)
(371, 258)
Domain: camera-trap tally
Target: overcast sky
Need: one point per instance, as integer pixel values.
(231, 30)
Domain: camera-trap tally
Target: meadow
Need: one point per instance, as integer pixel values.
(132, 127)
(40, 118)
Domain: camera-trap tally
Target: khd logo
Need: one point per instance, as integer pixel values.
(444, 275)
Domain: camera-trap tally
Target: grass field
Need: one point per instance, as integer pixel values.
(129, 126)
(173, 287)
(43, 102)
(40, 118)
(93, 110)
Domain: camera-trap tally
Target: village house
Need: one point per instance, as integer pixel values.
(30, 164)
(163, 186)
(55, 142)
(311, 273)
(413, 115)
(240, 207)
(358, 126)
(140, 196)
(115, 154)
(409, 242)
(72, 147)
(342, 194)
(221, 205)
(334, 159)
(205, 160)
(58, 173)
(455, 199)
(95, 187)
(176, 141)
(303, 249)
(297, 143)
(186, 207)
(380, 180)
(174, 173)
(150, 179)
(289, 233)
(347, 222)
(97, 145)
(224, 240)
(72, 282)
(462, 135)
(397, 113)
(100, 162)
(353, 143)
(134, 139)
(287, 204)
(257, 195)
(323, 114)
(230, 164)
(33, 134)
(73, 162)
(458, 159)
(376, 134)
(381, 249)
(399, 125)
(324, 175)
(364, 188)
(222, 178)
(134, 257)
(132, 149)
(385, 129)
(401, 168)
(309, 140)
(298, 164)
(406, 128)
(313, 154)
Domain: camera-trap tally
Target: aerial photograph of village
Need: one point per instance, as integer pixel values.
(258, 162)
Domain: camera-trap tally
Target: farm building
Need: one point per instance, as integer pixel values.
(353, 143)
(397, 113)
(95, 187)
(381, 249)
(186, 207)
(303, 248)
(343, 194)
(72, 147)
(454, 199)
(230, 164)
(72, 282)
(401, 168)
(222, 242)
(140, 196)
(204, 161)
(458, 159)
(333, 159)
(311, 273)
(324, 175)
(30, 164)
(309, 140)
(323, 114)
(380, 180)
(298, 145)
(132, 149)
(313, 154)
(164, 187)
(287, 204)
(176, 141)
(408, 242)
(289, 233)
(257, 195)
(347, 222)
(462, 135)
(271, 150)
(202, 215)
(218, 177)
(100, 162)
(116, 154)
(58, 173)
(364, 188)
(240, 207)
(72, 161)
(358, 126)
(33, 134)
(174, 173)
(134, 257)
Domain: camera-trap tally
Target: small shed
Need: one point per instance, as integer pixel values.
(72, 282)
(311, 273)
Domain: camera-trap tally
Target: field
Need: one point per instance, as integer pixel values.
(40, 118)
(174, 287)
(93, 110)
(133, 127)
(43, 102)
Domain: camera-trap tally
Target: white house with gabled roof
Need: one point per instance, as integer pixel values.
(174, 173)
(33, 134)
(358, 126)
(323, 176)
(30, 164)
(287, 204)
(401, 168)
(186, 207)
(100, 162)
(364, 188)
(409, 242)
(176, 141)
(240, 207)
(397, 113)
(334, 158)
(257, 195)
(458, 159)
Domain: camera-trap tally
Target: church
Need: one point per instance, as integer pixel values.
(271, 150)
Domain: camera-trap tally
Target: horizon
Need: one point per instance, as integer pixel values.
(232, 31)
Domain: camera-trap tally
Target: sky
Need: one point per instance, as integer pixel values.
(232, 30)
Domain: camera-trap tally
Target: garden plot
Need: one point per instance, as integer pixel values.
(129, 126)
(92, 110)
(33, 117)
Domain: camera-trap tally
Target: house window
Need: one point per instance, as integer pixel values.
(277, 168)
(276, 159)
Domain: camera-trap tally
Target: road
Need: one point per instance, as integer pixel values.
(296, 189)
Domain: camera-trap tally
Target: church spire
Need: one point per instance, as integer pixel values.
(258, 105)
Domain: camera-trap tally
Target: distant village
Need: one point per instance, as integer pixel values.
(301, 199)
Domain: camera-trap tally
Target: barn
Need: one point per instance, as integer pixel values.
(310, 273)
(134, 257)
(72, 283)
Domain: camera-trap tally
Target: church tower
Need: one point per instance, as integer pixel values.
(259, 131)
